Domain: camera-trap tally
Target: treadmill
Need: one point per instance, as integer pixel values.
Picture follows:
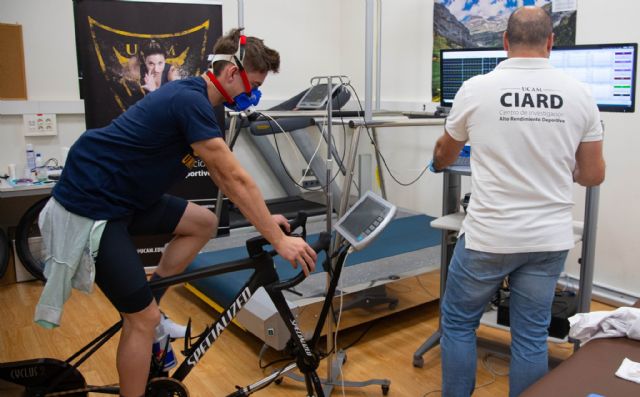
(261, 128)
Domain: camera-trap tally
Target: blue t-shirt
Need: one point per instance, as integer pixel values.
(128, 165)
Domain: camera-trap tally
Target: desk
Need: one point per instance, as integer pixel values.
(453, 222)
(450, 225)
(14, 201)
(7, 190)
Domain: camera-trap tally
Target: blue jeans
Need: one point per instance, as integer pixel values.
(473, 279)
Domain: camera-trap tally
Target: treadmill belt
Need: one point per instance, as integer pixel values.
(400, 236)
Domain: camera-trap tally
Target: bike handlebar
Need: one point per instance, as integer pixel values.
(299, 220)
(322, 244)
(255, 245)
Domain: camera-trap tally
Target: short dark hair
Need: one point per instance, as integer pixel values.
(526, 28)
(151, 48)
(257, 57)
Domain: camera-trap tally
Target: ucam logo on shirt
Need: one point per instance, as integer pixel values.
(531, 104)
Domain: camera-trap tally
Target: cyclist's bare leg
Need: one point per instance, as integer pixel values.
(195, 229)
(134, 350)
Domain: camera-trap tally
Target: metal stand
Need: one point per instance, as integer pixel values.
(588, 251)
(337, 358)
(228, 140)
(450, 205)
(232, 124)
(329, 383)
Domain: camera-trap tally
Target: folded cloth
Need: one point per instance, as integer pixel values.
(622, 322)
(629, 370)
(71, 245)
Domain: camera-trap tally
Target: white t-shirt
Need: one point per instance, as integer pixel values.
(524, 122)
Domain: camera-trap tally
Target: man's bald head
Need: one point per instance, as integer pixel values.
(529, 27)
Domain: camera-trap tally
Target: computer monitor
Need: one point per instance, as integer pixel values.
(365, 220)
(459, 65)
(607, 69)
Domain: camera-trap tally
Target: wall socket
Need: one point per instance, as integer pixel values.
(310, 180)
(40, 124)
(310, 183)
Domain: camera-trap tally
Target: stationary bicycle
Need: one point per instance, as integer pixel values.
(48, 377)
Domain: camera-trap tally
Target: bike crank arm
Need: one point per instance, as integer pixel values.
(107, 389)
(262, 383)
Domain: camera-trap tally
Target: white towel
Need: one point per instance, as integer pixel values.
(624, 321)
(629, 370)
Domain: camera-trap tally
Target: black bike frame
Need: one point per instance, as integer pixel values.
(264, 275)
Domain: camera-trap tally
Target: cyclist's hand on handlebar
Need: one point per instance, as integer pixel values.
(282, 222)
(297, 252)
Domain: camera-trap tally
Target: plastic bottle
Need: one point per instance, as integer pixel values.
(31, 158)
(12, 172)
(41, 170)
(162, 341)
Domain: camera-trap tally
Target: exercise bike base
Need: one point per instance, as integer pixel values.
(329, 384)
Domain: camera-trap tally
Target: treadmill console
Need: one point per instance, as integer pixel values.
(316, 97)
(365, 220)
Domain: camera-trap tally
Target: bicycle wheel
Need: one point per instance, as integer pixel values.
(29, 246)
(34, 377)
(4, 252)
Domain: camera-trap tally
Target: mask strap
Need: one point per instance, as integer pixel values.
(239, 57)
(218, 86)
(237, 60)
(243, 75)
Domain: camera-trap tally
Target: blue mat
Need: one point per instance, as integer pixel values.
(401, 235)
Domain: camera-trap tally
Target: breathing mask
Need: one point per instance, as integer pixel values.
(250, 97)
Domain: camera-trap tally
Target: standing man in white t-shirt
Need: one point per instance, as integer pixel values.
(533, 131)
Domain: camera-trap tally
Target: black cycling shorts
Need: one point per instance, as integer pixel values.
(119, 270)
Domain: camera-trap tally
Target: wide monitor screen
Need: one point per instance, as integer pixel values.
(609, 70)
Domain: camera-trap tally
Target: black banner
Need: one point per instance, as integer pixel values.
(127, 49)
(111, 37)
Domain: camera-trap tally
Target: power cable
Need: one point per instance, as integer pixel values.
(377, 150)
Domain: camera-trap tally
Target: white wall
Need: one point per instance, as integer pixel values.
(51, 65)
(327, 37)
(617, 248)
(406, 85)
(285, 26)
(51, 69)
